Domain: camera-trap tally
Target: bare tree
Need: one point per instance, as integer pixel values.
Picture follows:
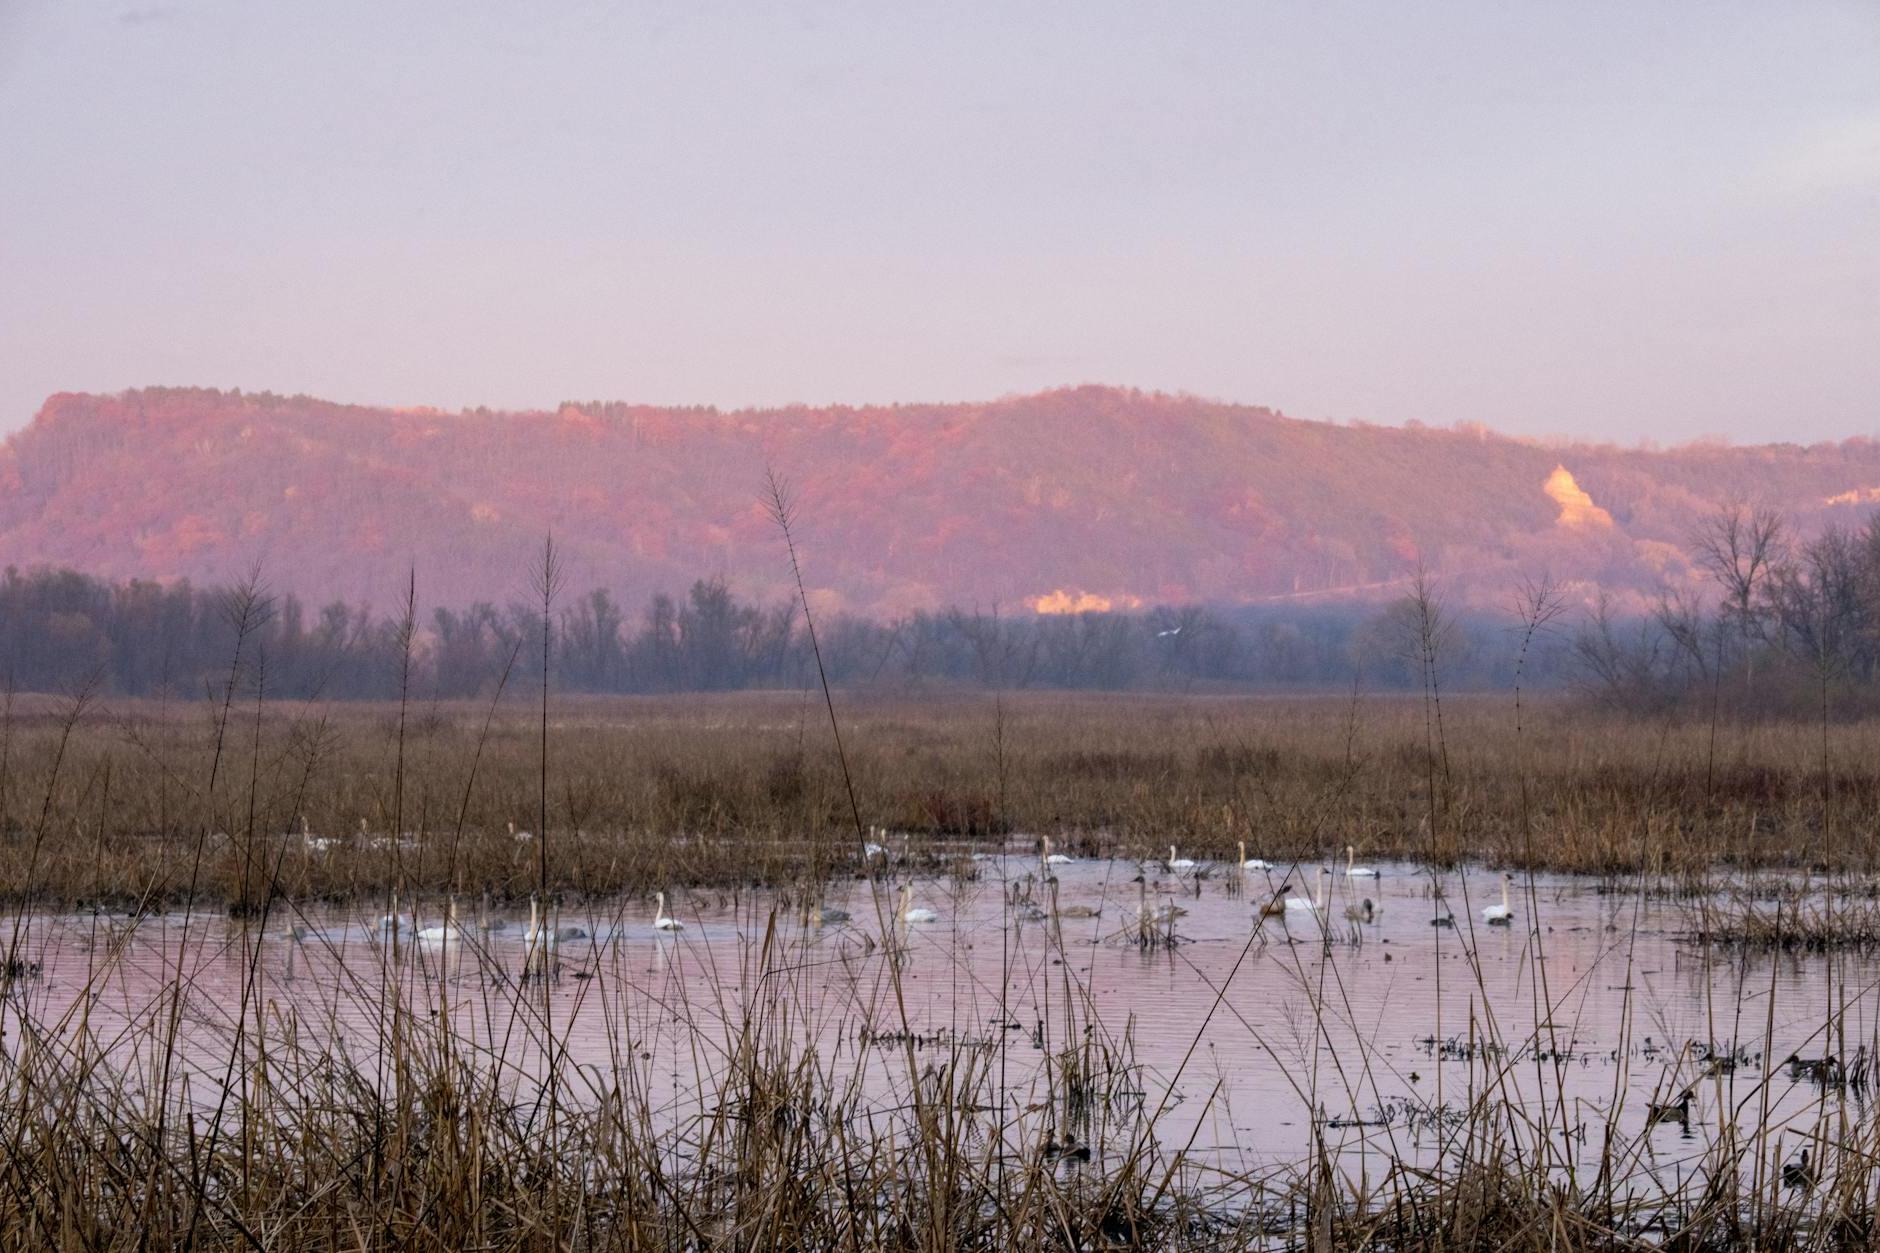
(994, 643)
(1740, 547)
(1622, 673)
(1695, 638)
(1816, 607)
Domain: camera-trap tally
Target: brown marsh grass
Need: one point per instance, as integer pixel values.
(744, 790)
(402, 1136)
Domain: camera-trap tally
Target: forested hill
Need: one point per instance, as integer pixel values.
(1085, 497)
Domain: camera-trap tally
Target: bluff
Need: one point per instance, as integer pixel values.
(1082, 497)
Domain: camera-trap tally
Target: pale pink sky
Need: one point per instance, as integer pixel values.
(1606, 219)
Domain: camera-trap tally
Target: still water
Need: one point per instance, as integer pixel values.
(1362, 1031)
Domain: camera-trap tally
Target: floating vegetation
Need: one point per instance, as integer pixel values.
(1824, 923)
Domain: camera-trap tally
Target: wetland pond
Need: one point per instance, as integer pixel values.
(1247, 1044)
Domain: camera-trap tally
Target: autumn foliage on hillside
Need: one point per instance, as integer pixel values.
(1073, 499)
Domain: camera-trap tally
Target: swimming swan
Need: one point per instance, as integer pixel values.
(1353, 871)
(1302, 905)
(447, 935)
(1500, 915)
(911, 912)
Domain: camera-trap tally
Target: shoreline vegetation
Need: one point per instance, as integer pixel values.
(403, 1132)
(104, 803)
(183, 837)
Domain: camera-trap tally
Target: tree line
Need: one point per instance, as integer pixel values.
(1790, 625)
(61, 630)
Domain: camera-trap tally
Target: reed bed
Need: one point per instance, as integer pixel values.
(252, 1113)
(1834, 920)
(449, 1117)
(114, 805)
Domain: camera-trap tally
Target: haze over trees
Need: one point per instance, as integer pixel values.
(1790, 623)
(61, 630)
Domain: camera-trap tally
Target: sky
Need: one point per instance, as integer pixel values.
(1605, 220)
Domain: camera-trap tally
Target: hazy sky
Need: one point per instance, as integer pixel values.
(1619, 220)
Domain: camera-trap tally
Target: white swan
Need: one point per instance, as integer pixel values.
(539, 945)
(445, 936)
(1353, 871)
(1501, 915)
(1055, 859)
(538, 938)
(872, 849)
(1305, 905)
(393, 923)
(663, 921)
(377, 843)
(1179, 863)
(911, 912)
(1252, 863)
(816, 917)
(317, 843)
(520, 837)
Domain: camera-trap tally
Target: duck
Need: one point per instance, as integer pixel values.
(1355, 871)
(1055, 859)
(1678, 1111)
(1820, 1069)
(1275, 908)
(1306, 905)
(910, 912)
(1252, 863)
(663, 921)
(1501, 915)
(1798, 1174)
(1068, 1151)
